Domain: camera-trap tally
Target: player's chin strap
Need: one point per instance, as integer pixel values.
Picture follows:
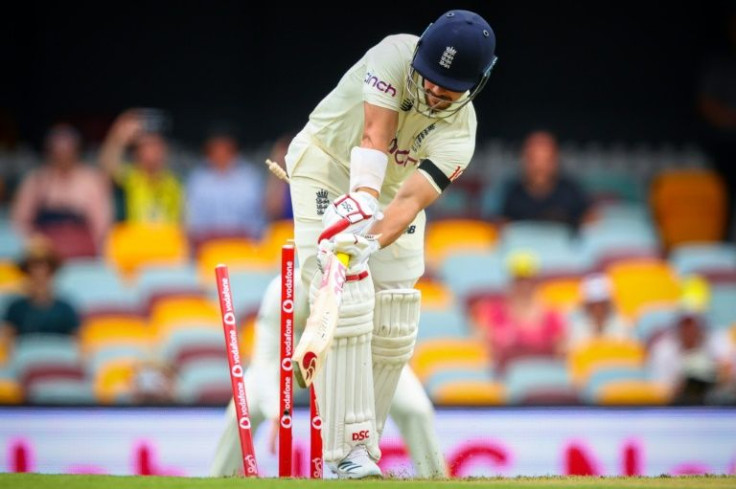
(344, 384)
(395, 325)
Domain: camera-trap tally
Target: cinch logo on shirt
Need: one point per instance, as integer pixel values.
(372, 80)
(401, 156)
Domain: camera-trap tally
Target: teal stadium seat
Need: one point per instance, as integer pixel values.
(557, 259)
(247, 288)
(607, 185)
(703, 257)
(44, 350)
(528, 376)
(450, 323)
(11, 243)
(722, 310)
(198, 377)
(452, 375)
(164, 279)
(624, 211)
(617, 237)
(114, 353)
(61, 391)
(92, 285)
(653, 322)
(603, 376)
(534, 235)
(472, 271)
(187, 344)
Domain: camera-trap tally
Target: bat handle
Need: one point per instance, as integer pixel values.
(343, 257)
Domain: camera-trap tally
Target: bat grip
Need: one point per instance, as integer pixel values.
(343, 257)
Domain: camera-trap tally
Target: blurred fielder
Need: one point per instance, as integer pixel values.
(411, 410)
(377, 150)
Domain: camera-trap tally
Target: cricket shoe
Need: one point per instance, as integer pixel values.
(357, 465)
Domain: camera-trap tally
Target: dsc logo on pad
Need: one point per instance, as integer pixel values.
(361, 435)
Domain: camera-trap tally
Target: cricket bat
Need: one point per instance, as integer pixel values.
(319, 329)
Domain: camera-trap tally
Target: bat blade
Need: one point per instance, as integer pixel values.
(319, 329)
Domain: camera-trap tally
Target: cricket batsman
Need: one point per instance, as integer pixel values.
(411, 410)
(383, 145)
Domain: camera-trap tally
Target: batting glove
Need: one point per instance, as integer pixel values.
(358, 247)
(350, 213)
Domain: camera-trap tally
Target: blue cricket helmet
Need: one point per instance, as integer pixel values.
(457, 51)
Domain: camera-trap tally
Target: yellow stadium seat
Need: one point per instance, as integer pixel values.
(603, 353)
(470, 393)
(236, 253)
(113, 330)
(689, 206)
(277, 234)
(435, 295)
(450, 236)
(562, 294)
(130, 246)
(630, 392)
(114, 379)
(437, 354)
(643, 284)
(247, 337)
(10, 392)
(174, 312)
(11, 278)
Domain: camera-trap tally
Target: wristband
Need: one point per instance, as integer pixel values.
(367, 168)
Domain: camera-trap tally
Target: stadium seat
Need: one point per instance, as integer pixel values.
(114, 330)
(99, 360)
(155, 281)
(182, 312)
(44, 351)
(702, 258)
(722, 310)
(689, 206)
(456, 236)
(277, 234)
(11, 278)
(534, 235)
(196, 378)
(247, 289)
(10, 392)
(11, 243)
(188, 344)
(469, 392)
(617, 239)
(471, 272)
(560, 294)
(437, 354)
(92, 285)
(435, 295)
(603, 376)
(131, 246)
(652, 322)
(450, 323)
(632, 392)
(456, 373)
(61, 391)
(240, 255)
(612, 186)
(113, 381)
(622, 210)
(555, 260)
(524, 376)
(640, 284)
(588, 358)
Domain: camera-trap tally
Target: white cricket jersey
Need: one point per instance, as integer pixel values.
(379, 78)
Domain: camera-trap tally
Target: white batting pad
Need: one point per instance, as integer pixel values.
(344, 385)
(396, 321)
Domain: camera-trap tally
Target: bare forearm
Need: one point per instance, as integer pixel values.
(111, 156)
(399, 215)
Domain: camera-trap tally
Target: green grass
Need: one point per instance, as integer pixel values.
(39, 481)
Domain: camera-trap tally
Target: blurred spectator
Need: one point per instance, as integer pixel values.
(39, 310)
(278, 197)
(148, 190)
(154, 382)
(597, 316)
(542, 192)
(520, 324)
(689, 359)
(225, 196)
(65, 199)
(716, 104)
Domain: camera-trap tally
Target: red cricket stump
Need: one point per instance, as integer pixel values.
(229, 325)
(315, 437)
(287, 347)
